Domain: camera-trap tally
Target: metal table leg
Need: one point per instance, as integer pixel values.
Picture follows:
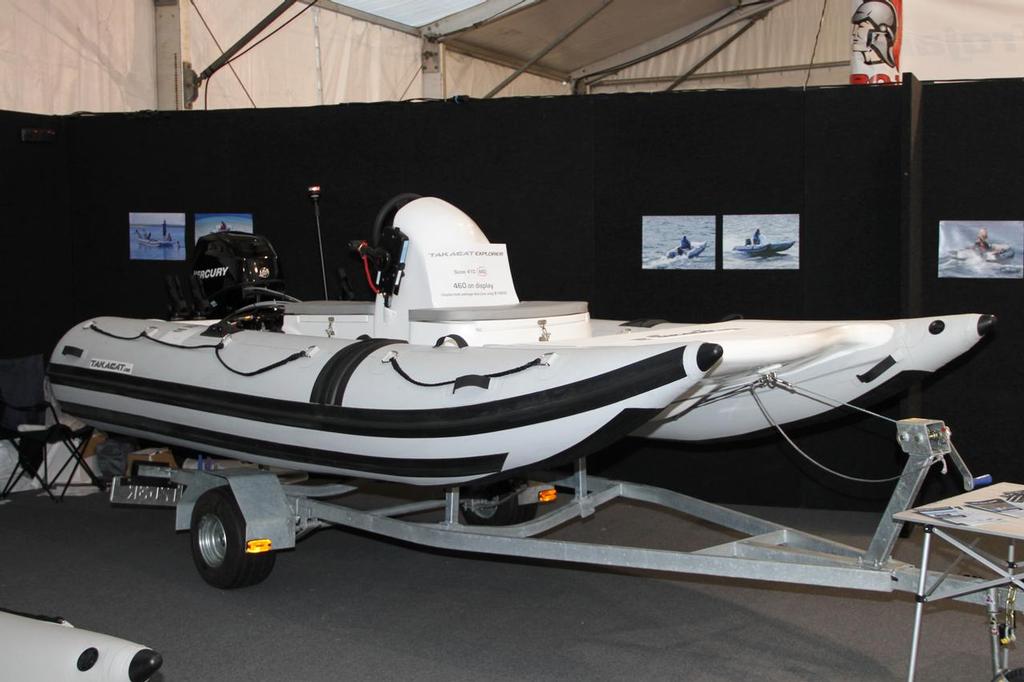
(919, 607)
(992, 603)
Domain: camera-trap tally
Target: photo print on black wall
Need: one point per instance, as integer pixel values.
(156, 236)
(208, 223)
(678, 242)
(981, 249)
(764, 241)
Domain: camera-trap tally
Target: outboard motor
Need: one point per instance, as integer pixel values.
(233, 269)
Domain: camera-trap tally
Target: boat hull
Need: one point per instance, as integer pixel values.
(838, 361)
(763, 250)
(999, 252)
(365, 408)
(36, 648)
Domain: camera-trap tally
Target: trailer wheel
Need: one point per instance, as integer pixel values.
(1012, 675)
(218, 543)
(495, 505)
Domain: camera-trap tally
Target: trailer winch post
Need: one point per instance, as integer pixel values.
(926, 442)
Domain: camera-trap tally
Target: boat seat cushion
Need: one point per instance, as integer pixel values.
(524, 309)
(329, 308)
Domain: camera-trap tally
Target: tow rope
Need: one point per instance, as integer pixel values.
(478, 380)
(772, 381)
(216, 347)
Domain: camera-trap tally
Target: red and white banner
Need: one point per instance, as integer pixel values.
(876, 39)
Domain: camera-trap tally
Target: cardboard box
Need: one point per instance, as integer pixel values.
(162, 456)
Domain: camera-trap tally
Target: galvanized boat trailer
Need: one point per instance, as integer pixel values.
(238, 517)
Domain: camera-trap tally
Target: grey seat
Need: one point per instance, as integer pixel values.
(524, 309)
(329, 308)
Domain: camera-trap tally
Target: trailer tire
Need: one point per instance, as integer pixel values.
(479, 510)
(1014, 675)
(218, 543)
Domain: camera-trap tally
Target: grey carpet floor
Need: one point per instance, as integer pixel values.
(346, 606)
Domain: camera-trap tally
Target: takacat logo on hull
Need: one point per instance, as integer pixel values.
(211, 272)
(111, 365)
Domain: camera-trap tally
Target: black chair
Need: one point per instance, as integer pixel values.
(22, 418)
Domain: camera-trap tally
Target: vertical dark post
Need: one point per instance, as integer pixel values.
(314, 195)
(912, 256)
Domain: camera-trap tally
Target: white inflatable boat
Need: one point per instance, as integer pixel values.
(431, 288)
(457, 380)
(378, 408)
(43, 649)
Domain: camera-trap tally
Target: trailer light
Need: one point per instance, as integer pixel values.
(257, 546)
(547, 495)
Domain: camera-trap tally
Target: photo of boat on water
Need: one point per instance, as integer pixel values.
(769, 241)
(981, 249)
(678, 242)
(156, 236)
(208, 223)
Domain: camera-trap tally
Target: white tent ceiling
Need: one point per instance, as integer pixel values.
(564, 40)
(608, 31)
(106, 55)
(412, 14)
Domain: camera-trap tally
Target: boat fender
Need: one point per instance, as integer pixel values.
(459, 341)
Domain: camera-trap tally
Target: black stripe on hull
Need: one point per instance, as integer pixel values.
(623, 424)
(454, 467)
(525, 410)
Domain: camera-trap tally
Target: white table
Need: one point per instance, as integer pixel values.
(1009, 528)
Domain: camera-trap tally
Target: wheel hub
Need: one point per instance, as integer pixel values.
(213, 540)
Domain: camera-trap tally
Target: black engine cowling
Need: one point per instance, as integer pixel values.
(230, 269)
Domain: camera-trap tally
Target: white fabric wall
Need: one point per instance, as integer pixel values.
(58, 57)
(361, 62)
(62, 56)
(465, 75)
(955, 39)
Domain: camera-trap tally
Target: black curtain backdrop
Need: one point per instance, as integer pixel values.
(36, 258)
(564, 182)
(973, 147)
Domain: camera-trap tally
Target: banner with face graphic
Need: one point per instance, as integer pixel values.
(876, 40)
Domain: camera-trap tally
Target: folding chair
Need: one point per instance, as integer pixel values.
(21, 424)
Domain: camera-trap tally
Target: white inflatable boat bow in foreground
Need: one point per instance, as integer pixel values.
(447, 377)
(37, 649)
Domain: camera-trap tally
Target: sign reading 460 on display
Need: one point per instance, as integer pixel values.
(478, 274)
